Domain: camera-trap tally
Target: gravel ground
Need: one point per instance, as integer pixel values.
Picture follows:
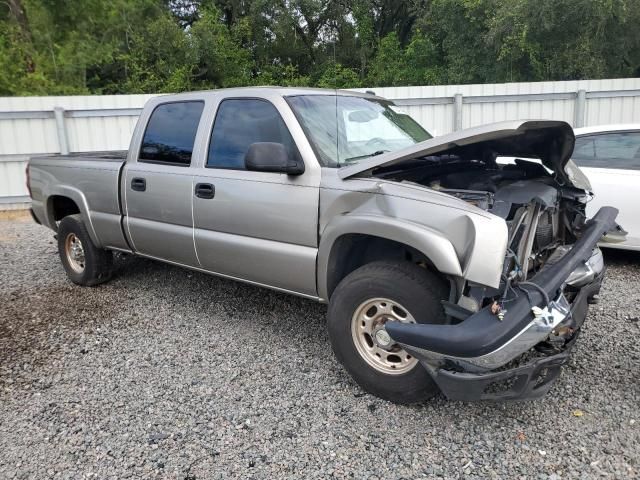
(169, 373)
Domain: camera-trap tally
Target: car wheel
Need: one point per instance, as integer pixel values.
(84, 263)
(362, 303)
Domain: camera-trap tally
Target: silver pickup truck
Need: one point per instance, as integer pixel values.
(445, 268)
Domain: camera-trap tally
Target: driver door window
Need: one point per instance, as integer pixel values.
(238, 124)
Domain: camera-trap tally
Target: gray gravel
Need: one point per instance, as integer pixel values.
(172, 374)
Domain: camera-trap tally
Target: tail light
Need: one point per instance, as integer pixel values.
(28, 177)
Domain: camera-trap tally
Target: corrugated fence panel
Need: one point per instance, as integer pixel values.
(480, 113)
(112, 132)
(23, 136)
(15, 179)
(100, 133)
(13, 190)
(28, 125)
(550, 100)
(611, 110)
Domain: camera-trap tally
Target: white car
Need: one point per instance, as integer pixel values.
(610, 157)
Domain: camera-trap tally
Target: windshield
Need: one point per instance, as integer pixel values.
(345, 129)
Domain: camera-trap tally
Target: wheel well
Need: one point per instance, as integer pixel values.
(352, 251)
(60, 207)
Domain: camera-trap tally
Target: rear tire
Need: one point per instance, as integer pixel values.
(85, 264)
(369, 296)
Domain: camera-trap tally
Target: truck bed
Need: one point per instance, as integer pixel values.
(107, 155)
(92, 181)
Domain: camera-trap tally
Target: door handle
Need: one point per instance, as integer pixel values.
(205, 190)
(138, 184)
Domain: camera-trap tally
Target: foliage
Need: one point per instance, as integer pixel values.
(123, 46)
(338, 76)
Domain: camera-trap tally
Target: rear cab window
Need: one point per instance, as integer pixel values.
(170, 133)
(615, 150)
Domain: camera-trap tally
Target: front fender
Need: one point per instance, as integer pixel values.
(427, 241)
(481, 244)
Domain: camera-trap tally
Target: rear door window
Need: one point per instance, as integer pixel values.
(241, 122)
(617, 150)
(171, 133)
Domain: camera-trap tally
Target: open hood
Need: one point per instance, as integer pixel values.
(550, 141)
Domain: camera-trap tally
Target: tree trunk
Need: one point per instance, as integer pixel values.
(17, 10)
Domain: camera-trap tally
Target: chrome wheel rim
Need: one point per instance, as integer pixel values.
(370, 338)
(75, 252)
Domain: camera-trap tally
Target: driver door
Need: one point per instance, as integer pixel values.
(260, 227)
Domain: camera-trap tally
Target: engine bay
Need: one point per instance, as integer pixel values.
(541, 213)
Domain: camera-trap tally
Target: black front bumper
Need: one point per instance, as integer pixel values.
(523, 382)
(526, 382)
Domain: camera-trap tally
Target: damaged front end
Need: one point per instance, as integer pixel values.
(508, 341)
(514, 346)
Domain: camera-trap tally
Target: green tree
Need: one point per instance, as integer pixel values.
(338, 76)
(161, 58)
(421, 62)
(221, 59)
(387, 67)
(122, 46)
(572, 39)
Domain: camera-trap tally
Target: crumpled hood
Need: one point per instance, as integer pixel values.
(551, 141)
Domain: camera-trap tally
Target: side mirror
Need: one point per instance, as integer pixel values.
(271, 157)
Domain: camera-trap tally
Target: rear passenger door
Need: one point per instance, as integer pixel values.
(257, 226)
(158, 184)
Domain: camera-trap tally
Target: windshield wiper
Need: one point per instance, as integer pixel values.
(360, 157)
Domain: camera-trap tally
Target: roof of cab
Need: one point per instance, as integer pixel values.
(272, 91)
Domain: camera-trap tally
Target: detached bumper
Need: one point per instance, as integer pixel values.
(462, 358)
(525, 382)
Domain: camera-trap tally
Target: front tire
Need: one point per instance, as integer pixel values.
(85, 264)
(363, 301)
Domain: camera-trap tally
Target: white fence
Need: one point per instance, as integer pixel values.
(41, 125)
